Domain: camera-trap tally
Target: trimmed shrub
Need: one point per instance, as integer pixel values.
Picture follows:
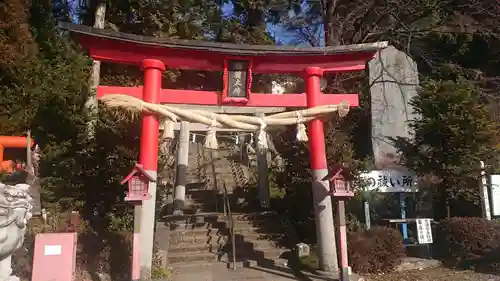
(379, 249)
(469, 242)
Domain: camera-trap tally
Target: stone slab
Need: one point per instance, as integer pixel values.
(411, 263)
(220, 272)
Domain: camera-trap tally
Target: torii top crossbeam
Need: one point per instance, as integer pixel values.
(123, 48)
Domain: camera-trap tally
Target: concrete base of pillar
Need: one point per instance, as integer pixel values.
(349, 275)
(325, 229)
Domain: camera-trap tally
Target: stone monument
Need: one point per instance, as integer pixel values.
(394, 81)
(15, 211)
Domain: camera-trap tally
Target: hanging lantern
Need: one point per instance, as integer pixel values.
(138, 181)
(339, 186)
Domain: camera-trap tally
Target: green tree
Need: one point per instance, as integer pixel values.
(455, 132)
(43, 88)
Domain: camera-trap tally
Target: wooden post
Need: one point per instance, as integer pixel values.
(483, 192)
(342, 237)
(29, 161)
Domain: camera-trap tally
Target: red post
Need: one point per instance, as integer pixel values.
(148, 156)
(144, 214)
(342, 238)
(325, 229)
(315, 130)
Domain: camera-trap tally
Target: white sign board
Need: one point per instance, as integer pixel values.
(390, 181)
(52, 250)
(495, 194)
(424, 231)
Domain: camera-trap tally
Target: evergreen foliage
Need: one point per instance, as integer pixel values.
(455, 132)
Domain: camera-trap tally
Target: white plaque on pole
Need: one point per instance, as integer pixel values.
(495, 194)
(424, 231)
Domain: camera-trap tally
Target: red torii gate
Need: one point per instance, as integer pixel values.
(237, 62)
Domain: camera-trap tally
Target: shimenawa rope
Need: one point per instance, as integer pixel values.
(173, 114)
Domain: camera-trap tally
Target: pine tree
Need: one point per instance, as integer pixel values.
(455, 132)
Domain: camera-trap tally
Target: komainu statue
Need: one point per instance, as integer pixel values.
(15, 211)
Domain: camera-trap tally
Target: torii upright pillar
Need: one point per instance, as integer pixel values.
(325, 230)
(148, 157)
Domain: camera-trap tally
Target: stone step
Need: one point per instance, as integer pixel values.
(278, 262)
(207, 217)
(249, 223)
(189, 240)
(251, 231)
(188, 225)
(255, 216)
(256, 244)
(212, 240)
(186, 230)
(189, 258)
(192, 265)
(250, 236)
(194, 248)
(259, 254)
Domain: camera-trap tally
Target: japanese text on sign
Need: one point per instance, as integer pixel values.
(424, 231)
(237, 83)
(390, 181)
(237, 78)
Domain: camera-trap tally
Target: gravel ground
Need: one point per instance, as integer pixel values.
(433, 274)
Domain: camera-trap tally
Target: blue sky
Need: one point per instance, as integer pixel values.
(280, 34)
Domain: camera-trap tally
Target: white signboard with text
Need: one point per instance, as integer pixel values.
(495, 194)
(424, 231)
(390, 181)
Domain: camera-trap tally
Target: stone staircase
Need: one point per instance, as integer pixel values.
(203, 239)
(259, 240)
(201, 236)
(189, 240)
(200, 196)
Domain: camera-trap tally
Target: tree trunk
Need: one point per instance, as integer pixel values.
(91, 103)
(330, 34)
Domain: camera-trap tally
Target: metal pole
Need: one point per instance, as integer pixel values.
(148, 157)
(325, 230)
(182, 167)
(342, 235)
(404, 226)
(367, 214)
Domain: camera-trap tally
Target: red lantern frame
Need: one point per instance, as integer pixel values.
(138, 180)
(339, 186)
